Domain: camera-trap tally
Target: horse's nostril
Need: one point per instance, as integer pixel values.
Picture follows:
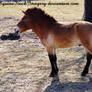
(16, 29)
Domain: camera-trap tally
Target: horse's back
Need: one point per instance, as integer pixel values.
(73, 33)
(65, 35)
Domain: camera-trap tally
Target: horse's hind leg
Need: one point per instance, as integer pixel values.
(86, 40)
(53, 59)
(86, 69)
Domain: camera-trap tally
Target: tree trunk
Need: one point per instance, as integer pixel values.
(88, 11)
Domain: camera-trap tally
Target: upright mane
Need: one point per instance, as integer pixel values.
(39, 13)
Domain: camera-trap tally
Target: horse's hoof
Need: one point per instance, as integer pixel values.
(53, 74)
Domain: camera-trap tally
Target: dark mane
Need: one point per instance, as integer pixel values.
(39, 13)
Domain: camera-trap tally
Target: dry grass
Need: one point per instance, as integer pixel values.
(24, 64)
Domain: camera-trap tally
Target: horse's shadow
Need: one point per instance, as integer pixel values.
(57, 86)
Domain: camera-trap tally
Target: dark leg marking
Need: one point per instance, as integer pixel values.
(54, 67)
(86, 69)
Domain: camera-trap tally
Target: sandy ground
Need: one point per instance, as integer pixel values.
(24, 65)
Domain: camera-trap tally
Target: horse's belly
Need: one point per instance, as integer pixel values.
(67, 43)
(58, 42)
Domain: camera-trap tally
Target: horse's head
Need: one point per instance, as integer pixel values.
(30, 18)
(25, 23)
(33, 19)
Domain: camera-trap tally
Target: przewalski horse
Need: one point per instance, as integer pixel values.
(55, 35)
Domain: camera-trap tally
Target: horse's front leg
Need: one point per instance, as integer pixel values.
(53, 59)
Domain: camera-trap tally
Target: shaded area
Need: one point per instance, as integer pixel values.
(88, 11)
(57, 86)
(10, 36)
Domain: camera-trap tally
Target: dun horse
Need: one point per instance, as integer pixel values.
(55, 35)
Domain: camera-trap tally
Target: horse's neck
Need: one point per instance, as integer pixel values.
(39, 32)
(42, 29)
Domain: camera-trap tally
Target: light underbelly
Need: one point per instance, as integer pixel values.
(53, 42)
(67, 43)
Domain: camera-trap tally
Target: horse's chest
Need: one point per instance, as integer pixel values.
(49, 41)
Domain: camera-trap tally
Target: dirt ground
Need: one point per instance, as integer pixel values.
(24, 65)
